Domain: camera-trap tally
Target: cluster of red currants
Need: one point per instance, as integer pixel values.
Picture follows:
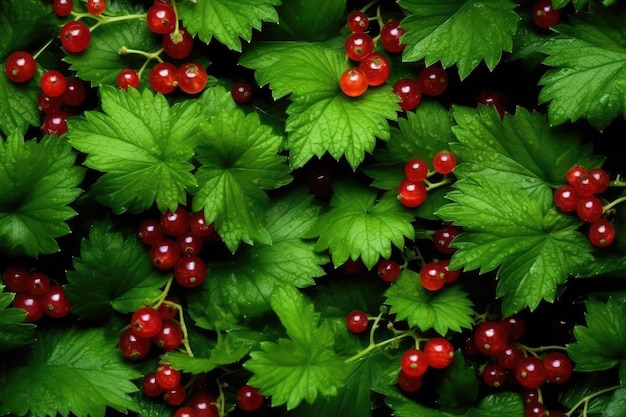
(435, 274)
(437, 353)
(511, 362)
(175, 240)
(580, 195)
(412, 190)
(35, 293)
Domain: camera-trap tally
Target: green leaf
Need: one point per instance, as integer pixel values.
(243, 284)
(239, 159)
(403, 406)
(69, 371)
(304, 20)
(113, 272)
(227, 20)
(459, 384)
(15, 15)
(321, 119)
(18, 105)
(499, 404)
(588, 79)
(461, 32)
(302, 366)
(447, 309)
(13, 332)
(361, 225)
(617, 406)
(38, 180)
(143, 146)
(601, 344)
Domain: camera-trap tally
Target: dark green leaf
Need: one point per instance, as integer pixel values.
(13, 332)
(499, 404)
(304, 20)
(459, 385)
(15, 16)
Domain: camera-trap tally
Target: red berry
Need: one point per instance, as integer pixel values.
(416, 169)
(376, 67)
(545, 15)
(248, 398)
(358, 45)
(320, 181)
(185, 412)
(54, 303)
(167, 309)
(589, 209)
(96, 7)
(241, 92)
(190, 271)
(414, 362)
(203, 402)
(189, 243)
(15, 278)
(75, 92)
(412, 194)
(151, 231)
(530, 372)
(38, 283)
(192, 77)
(390, 35)
(409, 383)
(149, 385)
(133, 347)
(353, 82)
(490, 338)
(62, 8)
(586, 185)
(128, 78)
(164, 254)
(178, 45)
(175, 396)
(29, 303)
(433, 80)
(164, 77)
(444, 162)
(494, 375)
(443, 237)
(168, 377)
(536, 409)
(357, 321)
(161, 18)
(75, 36)
(55, 123)
(514, 325)
(510, 356)
(492, 98)
(20, 67)
(601, 233)
(573, 173)
(53, 83)
(176, 222)
(409, 92)
(47, 104)
(170, 336)
(450, 276)
(432, 276)
(199, 226)
(602, 178)
(439, 351)
(388, 270)
(358, 21)
(558, 366)
(146, 322)
(566, 198)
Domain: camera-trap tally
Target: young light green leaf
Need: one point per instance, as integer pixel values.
(13, 332)
(227, 20)
(588, 79)
(304, 365)
(69, 371)
(39, 181)
(143, 146)
(602, 342)
(499, 404)
(321, 118)
(447, 309)
(361, 225)
(243, 284)
(461, 32)
(239, 159)
(18, 105)
(113, 272)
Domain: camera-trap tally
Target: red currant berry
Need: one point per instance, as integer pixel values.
(190, 271)
(469, 348)
(352, 266)
(29, 303)
(573, 173)
(190, 243)
(176, 222)
(133, 347)
(185, 412)
(390, 35)
(167, 310)
(602, 178)
(249, 398)
(566, 198)
(545, 15)
(432, 276)
(149, 385)
(241, 92)
(320, 181)
(558, 366)
(358, 21)
(75, 92)
(146, 322)
(192, 77)
(53, 83)
(510, 356)
(433, 80)
(55, 123)
(416, 169)
(353, 82)
(161, 18)
(409, 93)
(450, 275)
(178, 45)
(54, 303)
(490, 338)
(530, 395)
(128, 78)
(530, 372)
(203, 402)
(151, 231)
(443, 237)
(96, 7)
(414, 362)
(62, 8)
(589, 209)
(358, 45)
(15, 278)
(388, 270)
(170, 336)
(601, 233)
(168, 377)
(164, 254)
(412, 194)
(536, 409)
(199, 226)
(38, 283)
(409, 383)
(20, 67)
(492, 98)
(47, 104)
(444, 162)
(514, 325)
(586, 185)
(357, 321)
(494, 375)
(376, 67)
(75, 36)
(439, 351)
(164, 77)
(175, 396)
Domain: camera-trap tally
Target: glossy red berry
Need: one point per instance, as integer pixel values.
(133, 347)
(175, 396)
(190, 243)
(20, 67)
(164, 77)
(414, 362)
(55, 123)
(494, 375)
(390, 36)
(47, 104)
(443, 237)
(249, 398)
(433, 80)
(168, 377)
(38, 283)
(450, 275)
(62, 8)
(53, 83)
(54, 303)
(167, 309)
(164, 254)
(75, 36)
(515, 326)
(589, 209)
(566, 198)
(416, 169)
(545, 15)
(558, 366)
(409, 383)
(376, 67)
(199, 226)
(602, 179)
(586, 185)
(358, 21)
(96, 7)
(146, 322)
(170, 336)
(161, 18)
(149, 385)
(190, 271)
(444, 162)
(601, 233)
(353, 82)
(432, 276)
(409, 93)
(29, 303)
(439, 351)
(536, 409)
(128, 78)
(492, 98)
(357, 321)
(176, 222)
(412, 194)
(573, 173)
(530, 372)
(185, 411)
(15, 278)
(151, 231)
(241, 92)
(388, 270)
(178, 45)
(192, 77)
(510, 356)
(490, 338)
(203, 402)
(75, 92)
(358, 45)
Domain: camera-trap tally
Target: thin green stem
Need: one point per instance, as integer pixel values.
(619, 182)
(159, 300)
(542, 349)
(614, 203)
(585, 400)
(43, 48)
(432, 185)
(368, 5)
(378, 345)
(105, 20)
(183, 326)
